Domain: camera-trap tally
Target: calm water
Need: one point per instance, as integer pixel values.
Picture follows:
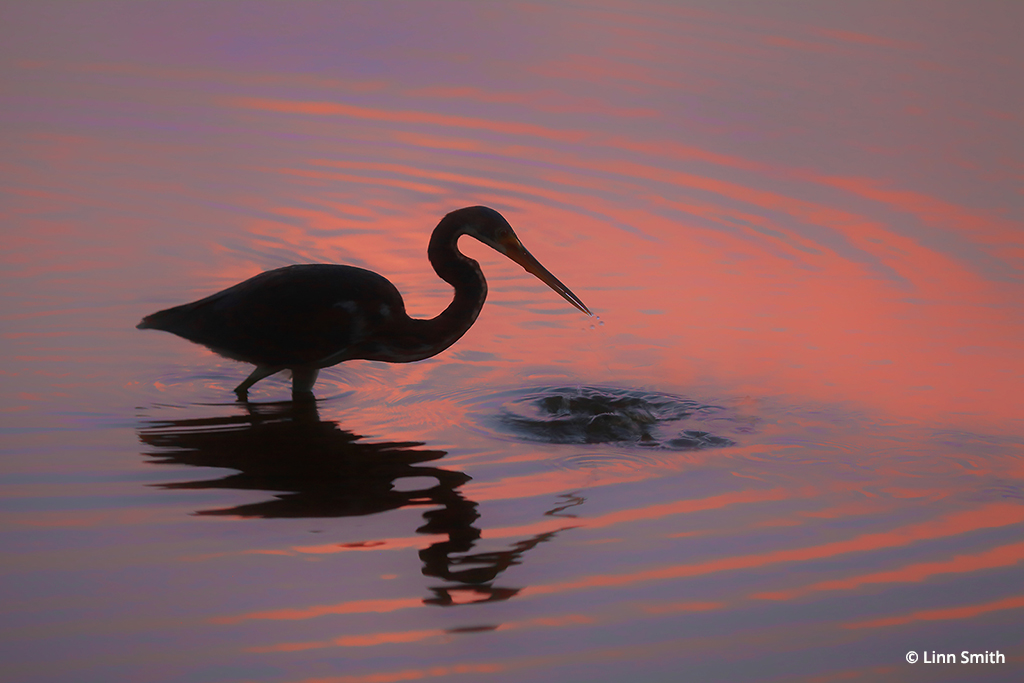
(789, 447)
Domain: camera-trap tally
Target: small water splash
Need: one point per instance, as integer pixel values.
(592, 415)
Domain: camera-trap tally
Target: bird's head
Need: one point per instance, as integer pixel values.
(491, 228)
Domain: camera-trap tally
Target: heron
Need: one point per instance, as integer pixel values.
(307, 317)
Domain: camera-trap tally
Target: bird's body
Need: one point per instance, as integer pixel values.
(343, 313)
(306, 317)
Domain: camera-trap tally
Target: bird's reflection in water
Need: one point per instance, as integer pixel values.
(316, 469)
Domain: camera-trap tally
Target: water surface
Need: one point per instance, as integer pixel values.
(789, 446)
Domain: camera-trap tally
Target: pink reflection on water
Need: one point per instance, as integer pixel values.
(1001, 556)
(987, 517)
(963, 612)
(852, 314)
(444, 120)
(365, 640)
(354, 607)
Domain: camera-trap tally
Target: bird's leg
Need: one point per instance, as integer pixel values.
(303, 380)
(259, 373)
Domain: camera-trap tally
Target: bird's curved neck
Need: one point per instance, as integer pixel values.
(462, 273)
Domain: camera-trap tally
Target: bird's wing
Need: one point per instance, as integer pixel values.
(295, 316)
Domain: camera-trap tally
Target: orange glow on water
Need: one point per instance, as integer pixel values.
(688, 506)
(964, 612)
(446, 120)
(367, 640)
(990, 516)
(674, 607)
(354, 607)
(373, 639)
(1002, 556)
(411, 674)
(869, 324)
(540, 485)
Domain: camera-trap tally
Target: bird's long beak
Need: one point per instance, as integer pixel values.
(515, 250)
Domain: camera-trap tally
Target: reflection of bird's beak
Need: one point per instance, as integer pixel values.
(515, 250)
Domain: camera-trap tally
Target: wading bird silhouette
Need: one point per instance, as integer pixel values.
(306, 317)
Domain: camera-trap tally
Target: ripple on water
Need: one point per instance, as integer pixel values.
(183, 386)
(613, 463)
(592, 415)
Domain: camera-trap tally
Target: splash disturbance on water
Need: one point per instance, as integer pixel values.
(589, 415)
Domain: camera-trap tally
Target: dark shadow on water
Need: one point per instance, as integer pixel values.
(316, 469)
